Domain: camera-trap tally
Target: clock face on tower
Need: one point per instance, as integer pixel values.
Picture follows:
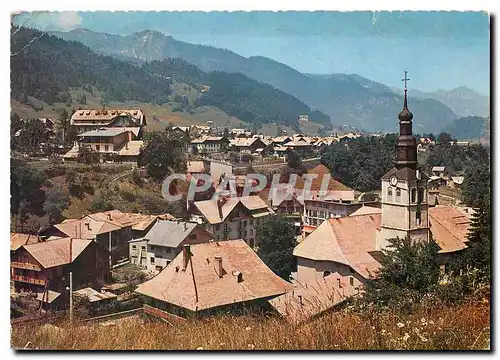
(394, 181)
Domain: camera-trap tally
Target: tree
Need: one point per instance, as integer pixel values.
(476, 193)
(294, 160)
(165, 150)
(409, 270)
(32, 135)
(87, 155)
(56, 201)
(476, 186)
(276, 240)
(444, 139)
(103, 201)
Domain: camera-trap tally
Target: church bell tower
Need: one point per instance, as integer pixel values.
(404, 188)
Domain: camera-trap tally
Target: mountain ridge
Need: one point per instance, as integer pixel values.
(346, 99)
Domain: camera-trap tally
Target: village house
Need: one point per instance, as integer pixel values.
(43, 268)
(231, 217)
(87, 120)
(111, 230)
(210, 144)
(247, 145)
(456, 181)
(163, 243)
(440, 171)
(207, 278)
(114, 143)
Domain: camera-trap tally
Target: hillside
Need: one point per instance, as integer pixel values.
(467, 128)
(345, 98)
(49, 68)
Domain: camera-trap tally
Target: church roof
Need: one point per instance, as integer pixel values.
(344, 240)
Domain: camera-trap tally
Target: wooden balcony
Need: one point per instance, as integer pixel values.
(23, 265)
(28, 279)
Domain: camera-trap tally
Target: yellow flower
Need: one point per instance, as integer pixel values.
(400, 325)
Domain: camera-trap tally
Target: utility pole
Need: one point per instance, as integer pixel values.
(70, 280)
(71, 297)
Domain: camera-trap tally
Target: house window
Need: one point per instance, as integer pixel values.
(106, 147)
(413, 195)
(351, 281)
(389, 191)
(217, 227)
(134, 247)
(97, 147)
(398, 194)
(326, 273)
(418, 217)
(225, 228)
(143, 248)
(251, 231)
(251, 222)
(152, 260)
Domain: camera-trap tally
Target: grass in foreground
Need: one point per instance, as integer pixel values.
(461, 327)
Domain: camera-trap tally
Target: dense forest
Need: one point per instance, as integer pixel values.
(46, 67)
(360, 163)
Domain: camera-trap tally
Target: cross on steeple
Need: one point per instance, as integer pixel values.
(405, 105)
(406, 79)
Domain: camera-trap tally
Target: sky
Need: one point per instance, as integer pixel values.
(441, 50)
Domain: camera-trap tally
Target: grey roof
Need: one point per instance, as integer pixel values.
(111, 131)
(169, 233)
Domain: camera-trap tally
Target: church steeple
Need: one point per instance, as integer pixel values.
(406, 149)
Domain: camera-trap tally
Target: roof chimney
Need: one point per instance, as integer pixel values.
(185, 226)
(186, 256)
(218, 266)
(109, 216)
(88, 225)
(300, 300)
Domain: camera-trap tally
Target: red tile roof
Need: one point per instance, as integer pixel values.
(17, 240)
(344, 240)
(57, 252)
(199, 287)
(449, 228)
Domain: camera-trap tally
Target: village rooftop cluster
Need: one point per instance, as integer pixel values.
(208, 262)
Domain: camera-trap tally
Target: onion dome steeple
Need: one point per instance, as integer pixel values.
(406, 149)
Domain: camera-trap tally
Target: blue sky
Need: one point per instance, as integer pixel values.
(441, 50)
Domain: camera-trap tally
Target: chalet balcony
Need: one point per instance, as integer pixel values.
(28, 279)
(23, 265)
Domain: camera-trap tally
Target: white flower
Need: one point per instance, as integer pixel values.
(400, 325)
(199, 348)
(406, 337)
(431, 322)
(251, 346)
(248, 328)
(423, 320)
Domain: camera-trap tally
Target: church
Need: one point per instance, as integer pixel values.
(346, 251)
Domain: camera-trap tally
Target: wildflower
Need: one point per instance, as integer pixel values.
(423, 320)
(251, 346)
(406, 337)
(199, 348)
(423, 339)
(248, 328)
(383, 331)
(373, 327)
(400, 325)
(431, 322)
